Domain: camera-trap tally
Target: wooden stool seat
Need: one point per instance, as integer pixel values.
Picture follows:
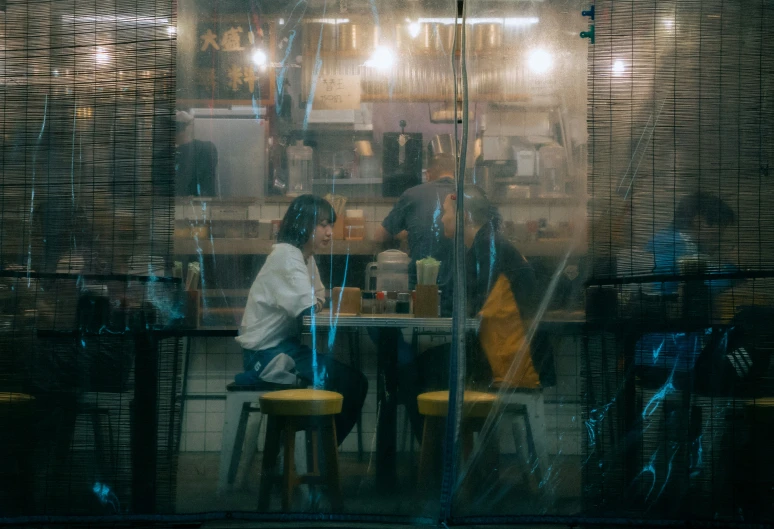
(301, 403)
(300, 410)
(434, 405)
(15, 398)
(474, 403)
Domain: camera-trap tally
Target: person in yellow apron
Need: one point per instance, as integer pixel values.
(502, 290)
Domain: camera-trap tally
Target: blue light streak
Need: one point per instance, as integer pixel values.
(106, 496)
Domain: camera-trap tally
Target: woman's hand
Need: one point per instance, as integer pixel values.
(318, 306)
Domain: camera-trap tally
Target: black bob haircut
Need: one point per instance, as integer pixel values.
(302, 217)
(712, 209)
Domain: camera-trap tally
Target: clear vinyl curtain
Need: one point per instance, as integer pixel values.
(603, 347)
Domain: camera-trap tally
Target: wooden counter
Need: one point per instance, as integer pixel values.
(376, 200)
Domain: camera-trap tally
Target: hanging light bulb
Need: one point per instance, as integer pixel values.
(540, 61)
(260, 58)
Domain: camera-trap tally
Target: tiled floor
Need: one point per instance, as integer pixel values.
(511, 494)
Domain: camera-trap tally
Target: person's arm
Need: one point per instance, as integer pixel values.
(319, 288)
(395, 223)
(381, 235)
(293, 289)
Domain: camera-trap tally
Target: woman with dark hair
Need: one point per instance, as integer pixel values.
(287, 288)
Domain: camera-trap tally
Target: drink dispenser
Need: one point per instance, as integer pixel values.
(299, 169)
(392, 271)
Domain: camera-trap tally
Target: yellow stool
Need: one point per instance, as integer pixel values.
(294, 410)
(435, 407)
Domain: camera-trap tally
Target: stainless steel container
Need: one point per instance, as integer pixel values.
(355, 37)
(444, 37)
(312, 38)
(486, 37)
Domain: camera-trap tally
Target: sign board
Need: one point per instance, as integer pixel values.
(232, 61)
(337, 92)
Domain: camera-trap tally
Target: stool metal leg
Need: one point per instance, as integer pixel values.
(234, 405)
(239, 440)
(250, 444)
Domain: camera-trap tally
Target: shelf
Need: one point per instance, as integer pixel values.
(543, 248)
(347, 181)
(263, 247)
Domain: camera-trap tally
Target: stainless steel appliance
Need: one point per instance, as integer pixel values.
(240, 138)
(401, 161)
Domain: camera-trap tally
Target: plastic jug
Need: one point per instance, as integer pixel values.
(392, 271)
(299, 169)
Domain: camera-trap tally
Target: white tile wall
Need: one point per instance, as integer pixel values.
(270, 212)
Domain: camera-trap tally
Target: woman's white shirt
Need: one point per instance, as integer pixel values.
(285, 287)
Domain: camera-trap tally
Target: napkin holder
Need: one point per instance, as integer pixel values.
(426, 301)
(345, 301)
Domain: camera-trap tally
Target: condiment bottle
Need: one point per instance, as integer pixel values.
(403, 304)
(380, 299)
(368, 303)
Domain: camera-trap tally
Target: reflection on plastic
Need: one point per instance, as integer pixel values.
(106, 496)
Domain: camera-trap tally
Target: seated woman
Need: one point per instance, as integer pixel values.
(287, 288)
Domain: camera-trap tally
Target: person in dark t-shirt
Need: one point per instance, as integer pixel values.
(417, 213)
(196, 161)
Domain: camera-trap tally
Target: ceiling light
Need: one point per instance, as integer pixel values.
(618, 68)
(540, 61)
(382, 58)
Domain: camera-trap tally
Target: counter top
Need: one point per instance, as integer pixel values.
(374, 200)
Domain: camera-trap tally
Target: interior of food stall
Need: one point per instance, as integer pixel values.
(357, 109)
